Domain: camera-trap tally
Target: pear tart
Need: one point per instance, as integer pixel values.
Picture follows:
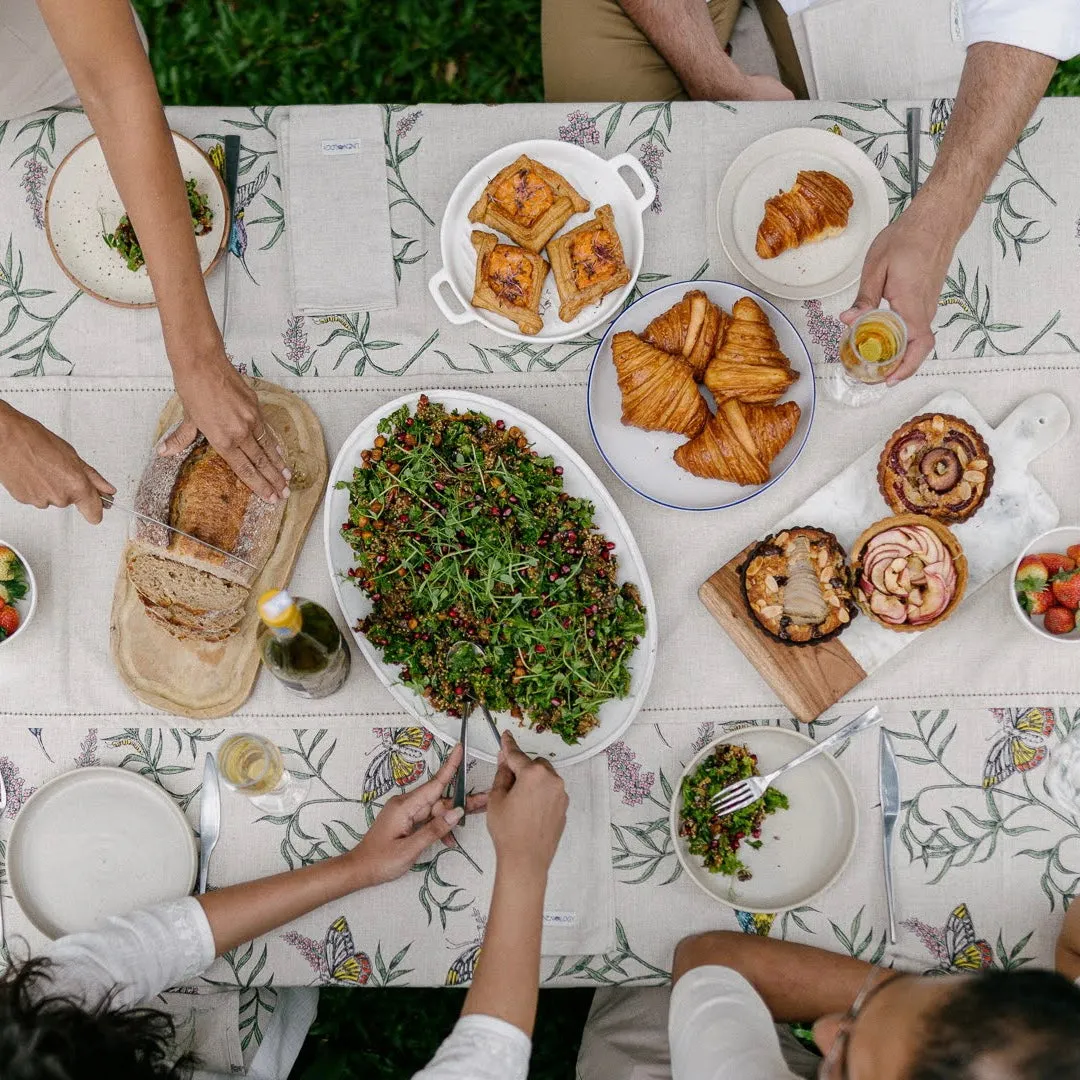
(909, 572)
(795, 583)
(937, 465)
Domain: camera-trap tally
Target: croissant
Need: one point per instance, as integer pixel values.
(740, 442)
(816, 207)
(658, 391)
(691, 329)
(748, 363)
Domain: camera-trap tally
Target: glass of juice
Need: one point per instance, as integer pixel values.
(255, 767)
(870, 351)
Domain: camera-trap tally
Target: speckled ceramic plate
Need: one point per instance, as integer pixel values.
(97, 842)
(82, 203)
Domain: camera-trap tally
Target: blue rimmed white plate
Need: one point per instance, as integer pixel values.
(643, 459)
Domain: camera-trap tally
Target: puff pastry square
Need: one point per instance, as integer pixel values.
(528, 202)
(588, 263)
(509, 281)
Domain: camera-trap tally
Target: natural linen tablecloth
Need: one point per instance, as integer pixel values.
(1007, 328)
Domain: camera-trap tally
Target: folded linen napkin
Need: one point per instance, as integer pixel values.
(336, 210)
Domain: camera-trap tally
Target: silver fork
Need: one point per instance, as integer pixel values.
(742, 793)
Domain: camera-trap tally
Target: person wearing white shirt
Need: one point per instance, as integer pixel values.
(870, 1023)
(89, 996)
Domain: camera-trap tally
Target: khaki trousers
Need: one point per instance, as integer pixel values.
(593, 51)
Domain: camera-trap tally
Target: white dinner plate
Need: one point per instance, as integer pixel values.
(97, 842)
(643, 459)
(615, 715)
(594, 178)
(806, 847)
(82, 203)
(770, 166)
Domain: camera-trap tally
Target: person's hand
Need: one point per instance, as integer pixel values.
(764, 88)
(526, 809)
(906, 265)
(220, 403)
(41, 469)
(409, 824)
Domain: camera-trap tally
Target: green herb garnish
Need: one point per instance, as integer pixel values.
(462, 533)
(124, 240)
(717, 839)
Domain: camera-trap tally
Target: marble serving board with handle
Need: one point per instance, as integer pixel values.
(811, 678)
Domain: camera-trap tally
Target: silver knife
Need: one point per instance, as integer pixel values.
(209, 818)
(889, 789)
(232, 163)
(914, 135)
(108, 500)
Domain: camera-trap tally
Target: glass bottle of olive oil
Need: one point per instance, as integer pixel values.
(301, 645)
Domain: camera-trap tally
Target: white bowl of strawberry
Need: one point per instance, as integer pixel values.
(18, 593)
(1046, 585)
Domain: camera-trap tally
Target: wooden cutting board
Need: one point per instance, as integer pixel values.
(809, 679)
(205, 680)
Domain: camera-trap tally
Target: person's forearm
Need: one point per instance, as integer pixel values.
(682, 32)
(240, 913)
(507, 977)
(999, 89)
(1067, 953)
(100, 45)
(797, 982)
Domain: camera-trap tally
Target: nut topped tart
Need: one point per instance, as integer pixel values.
(909, 572)
(795, 583)
(937, 465)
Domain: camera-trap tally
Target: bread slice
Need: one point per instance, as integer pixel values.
(164, 581)
(189, 633)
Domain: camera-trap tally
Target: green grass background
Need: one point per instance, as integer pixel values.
(282, 52)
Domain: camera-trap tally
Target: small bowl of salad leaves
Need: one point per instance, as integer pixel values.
(18, 592)
(779, 852)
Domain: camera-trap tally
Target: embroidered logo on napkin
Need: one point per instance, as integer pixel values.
(560, 918)
(341, 146)
(956, 22)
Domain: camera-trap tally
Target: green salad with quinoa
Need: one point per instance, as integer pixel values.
(124, 241)
(717, 839)
(461, 532)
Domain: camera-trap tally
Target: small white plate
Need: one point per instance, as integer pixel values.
(643, 459)
(617, 714)
(807, 847)
(82, 196)
(595, 179)
(97, 842)
(770, 166)
(1056, 540)
(28, 604)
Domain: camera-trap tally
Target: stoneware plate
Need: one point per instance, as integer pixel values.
(97, 842)
(643, 459)
(1056, 540)
(596, 179)
(579, 480)
(82, 203)
(806, 847)
(769, 166)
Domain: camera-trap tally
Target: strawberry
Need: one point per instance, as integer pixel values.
(1059, 620)
(1037, 603)
(1066, 588)
(1074, 553)
(1055, 563)
(9, 620)
(1031, 574)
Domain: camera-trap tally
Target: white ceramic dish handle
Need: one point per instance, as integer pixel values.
(628, 161)
(435, 287)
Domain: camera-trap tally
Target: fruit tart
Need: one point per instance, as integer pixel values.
(509, 281)
(937, 465)
(528, 202)
(796, 586)
(588, 263)
(909, 572)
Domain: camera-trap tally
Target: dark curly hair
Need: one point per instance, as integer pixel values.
(1024, 1025)
(44, 1036)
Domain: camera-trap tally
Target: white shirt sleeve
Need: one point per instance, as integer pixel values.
(1051, 27)
(134, 957)
(720, 1029)
(480, 1048)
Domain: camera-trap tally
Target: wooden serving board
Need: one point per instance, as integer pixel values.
(811, 678)
(205, 680)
